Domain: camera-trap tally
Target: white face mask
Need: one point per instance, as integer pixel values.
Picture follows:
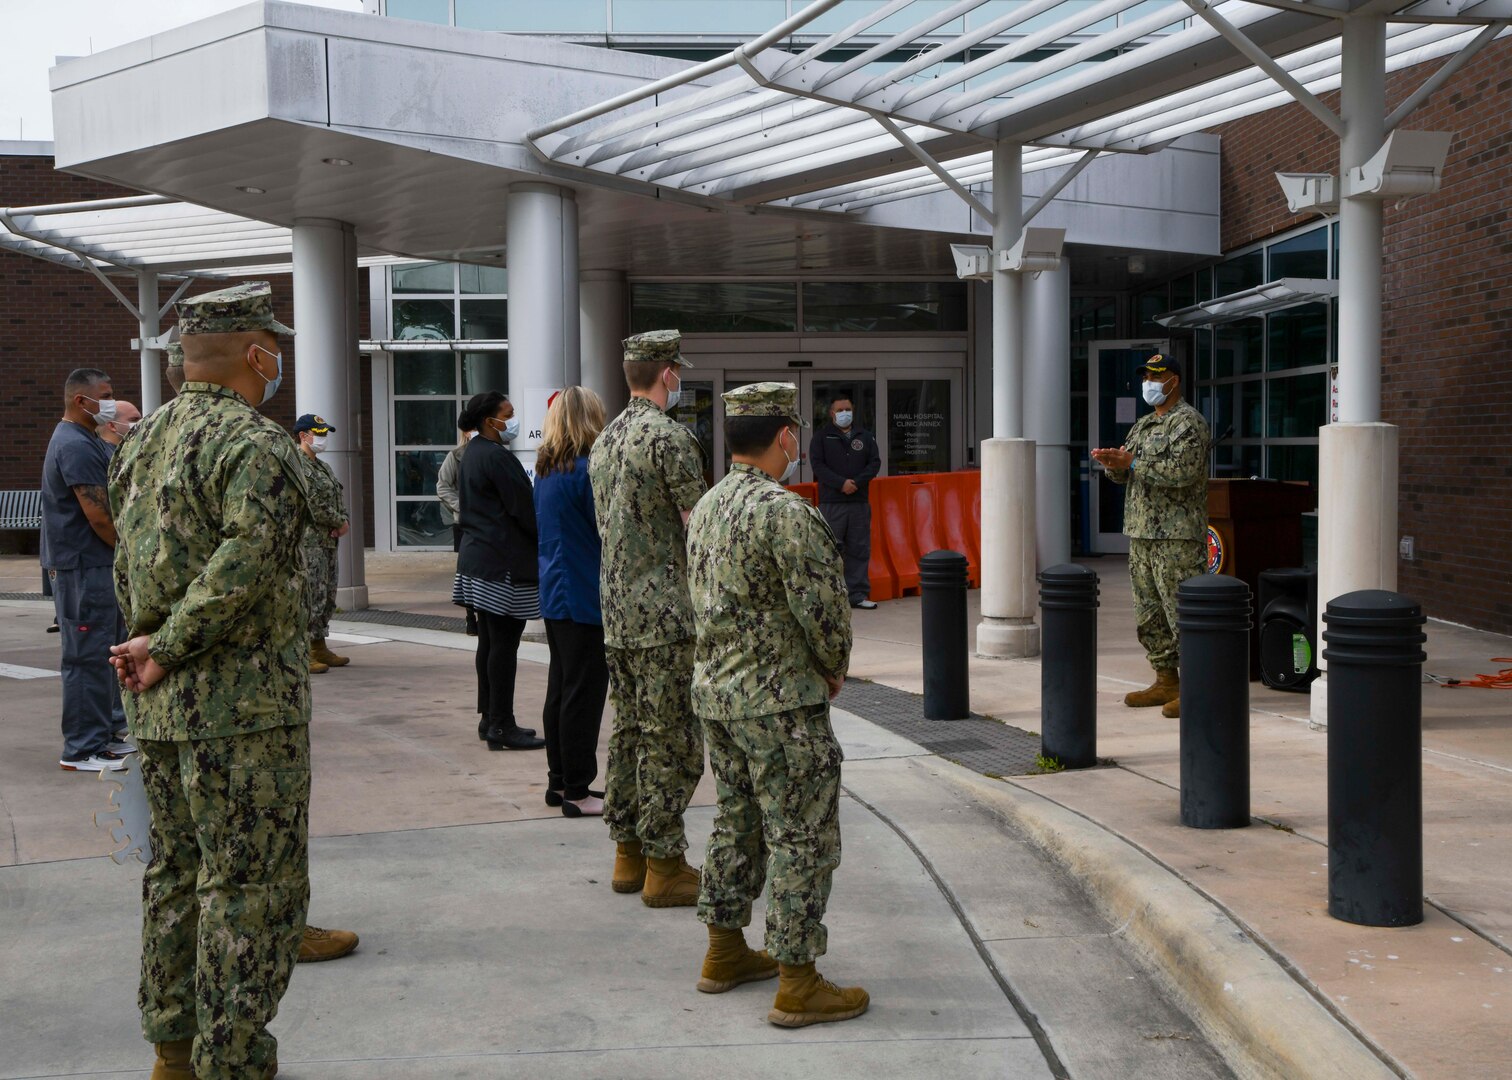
(270, 386)
(507, 429)
(106, 410)
(1154, 393)
(792, 462)
(674, 396)
(843, 418)
(318, 443)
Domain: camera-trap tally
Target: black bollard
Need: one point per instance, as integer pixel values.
(1068, 665)
(1375, 758)
(1213, 617)
(947, 681)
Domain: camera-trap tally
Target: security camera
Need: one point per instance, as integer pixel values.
(973, 262)
(1037, 250)
(1408, 163)
(1318, 192)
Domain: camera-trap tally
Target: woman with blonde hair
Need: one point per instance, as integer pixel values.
(578, 680)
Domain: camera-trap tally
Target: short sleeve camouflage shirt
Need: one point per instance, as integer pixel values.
(210, 503)
(769, 600)
(1167, 485)
(646, 469)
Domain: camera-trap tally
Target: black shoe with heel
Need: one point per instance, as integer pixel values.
(513, 738)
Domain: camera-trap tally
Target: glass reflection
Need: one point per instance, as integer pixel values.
(418, 373)
(415, 471)
(420, 524)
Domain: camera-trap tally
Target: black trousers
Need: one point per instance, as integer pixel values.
(576, 687)
(498, 653)
(851, 524)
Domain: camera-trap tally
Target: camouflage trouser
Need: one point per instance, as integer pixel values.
(320, 587)
(778, 780)
(225, 896)
(655, 747)
(1156, 569)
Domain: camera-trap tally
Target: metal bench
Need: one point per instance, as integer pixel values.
(20, 510)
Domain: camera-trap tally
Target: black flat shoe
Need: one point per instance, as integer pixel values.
(483, 734)
(556, 798)
(514, 739)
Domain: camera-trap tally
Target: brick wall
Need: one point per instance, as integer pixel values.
(1447, 330)
(53, 320)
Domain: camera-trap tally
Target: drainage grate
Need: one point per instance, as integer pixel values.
(405, 618)
(982, 744)
(22, 596)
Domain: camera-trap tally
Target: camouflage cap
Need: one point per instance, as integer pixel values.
(656, 345)
(248, 306)
(765, 399)
(175, 353)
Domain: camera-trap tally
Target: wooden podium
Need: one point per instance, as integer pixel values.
(1256, 525)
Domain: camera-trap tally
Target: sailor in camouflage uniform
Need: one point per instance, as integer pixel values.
(327, 525)
(209, 499)
(774, 638)
(646, 470)
(1164, 465)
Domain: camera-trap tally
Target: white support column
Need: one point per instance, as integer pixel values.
(544, 313)
(604, 321)
(148, 326)
(1047, 407)
(327, 374)
(1007, 628)
(1357, 489)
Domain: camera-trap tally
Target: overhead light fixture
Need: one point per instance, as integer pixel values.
(1136, 264)
(337, 161)
(251, 190)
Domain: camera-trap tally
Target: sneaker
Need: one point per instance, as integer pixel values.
(99, 761)
(121, 746)
(865, 605)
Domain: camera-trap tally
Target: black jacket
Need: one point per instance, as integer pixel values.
(497, 515)
(837, 456)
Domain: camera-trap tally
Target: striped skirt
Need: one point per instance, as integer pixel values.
(497, 597)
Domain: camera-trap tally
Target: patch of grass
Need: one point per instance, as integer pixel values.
(1049, 764)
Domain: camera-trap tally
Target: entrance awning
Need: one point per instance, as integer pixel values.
(1275, 295)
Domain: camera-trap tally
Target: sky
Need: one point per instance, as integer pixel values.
(37, 31)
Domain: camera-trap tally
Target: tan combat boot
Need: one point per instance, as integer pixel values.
(1171, 710)
(319, 651)
(171, 1060)
(805, 997)
(629, 868)
(730, 962)
(1166, 687)
(317, 668)
(670, 883)
(318, 944)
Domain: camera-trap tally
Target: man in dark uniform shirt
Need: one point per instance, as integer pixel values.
(845, 458)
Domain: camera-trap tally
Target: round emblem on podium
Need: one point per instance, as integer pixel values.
(1215, 553)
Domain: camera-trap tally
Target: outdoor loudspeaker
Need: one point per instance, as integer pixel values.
(1288, 606)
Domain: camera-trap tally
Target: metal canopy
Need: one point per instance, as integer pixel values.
(153, 234)
(841, 125)
(1275, 295)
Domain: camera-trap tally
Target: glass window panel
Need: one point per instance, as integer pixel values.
(995, 9)
(1183, 291)
(431, 11)
(1239, 348)
(695, 411)
(1298, 337)
(1298, 406)
(1078, 369)
(843, 14)
(1079, 418)
(1147, 305)
(485, 319)
(420, 524)
(1205, 284)
(1150, 7)
(918, 426)
(1202, 346)
(1223, 411)
(1239, 461)
(485, 371)
(425, 373)
(425, 278)
(425, 423)
(423, 320)
(834, 307)
(415, 471)
(695, 16)
(559, 16)
(1294, 463)
(1240, 272)
(1333, 270)
(484, 279)
(710, 308)
(1304, 256)
(1251, 409)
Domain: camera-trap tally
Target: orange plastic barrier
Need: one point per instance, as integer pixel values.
(914, 515)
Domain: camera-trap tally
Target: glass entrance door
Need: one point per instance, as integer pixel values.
(1114, 402)
(816, 390)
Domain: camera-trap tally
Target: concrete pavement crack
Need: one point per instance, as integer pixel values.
(1031, 1021)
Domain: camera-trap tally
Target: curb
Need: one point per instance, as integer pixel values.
(1257, 1015)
